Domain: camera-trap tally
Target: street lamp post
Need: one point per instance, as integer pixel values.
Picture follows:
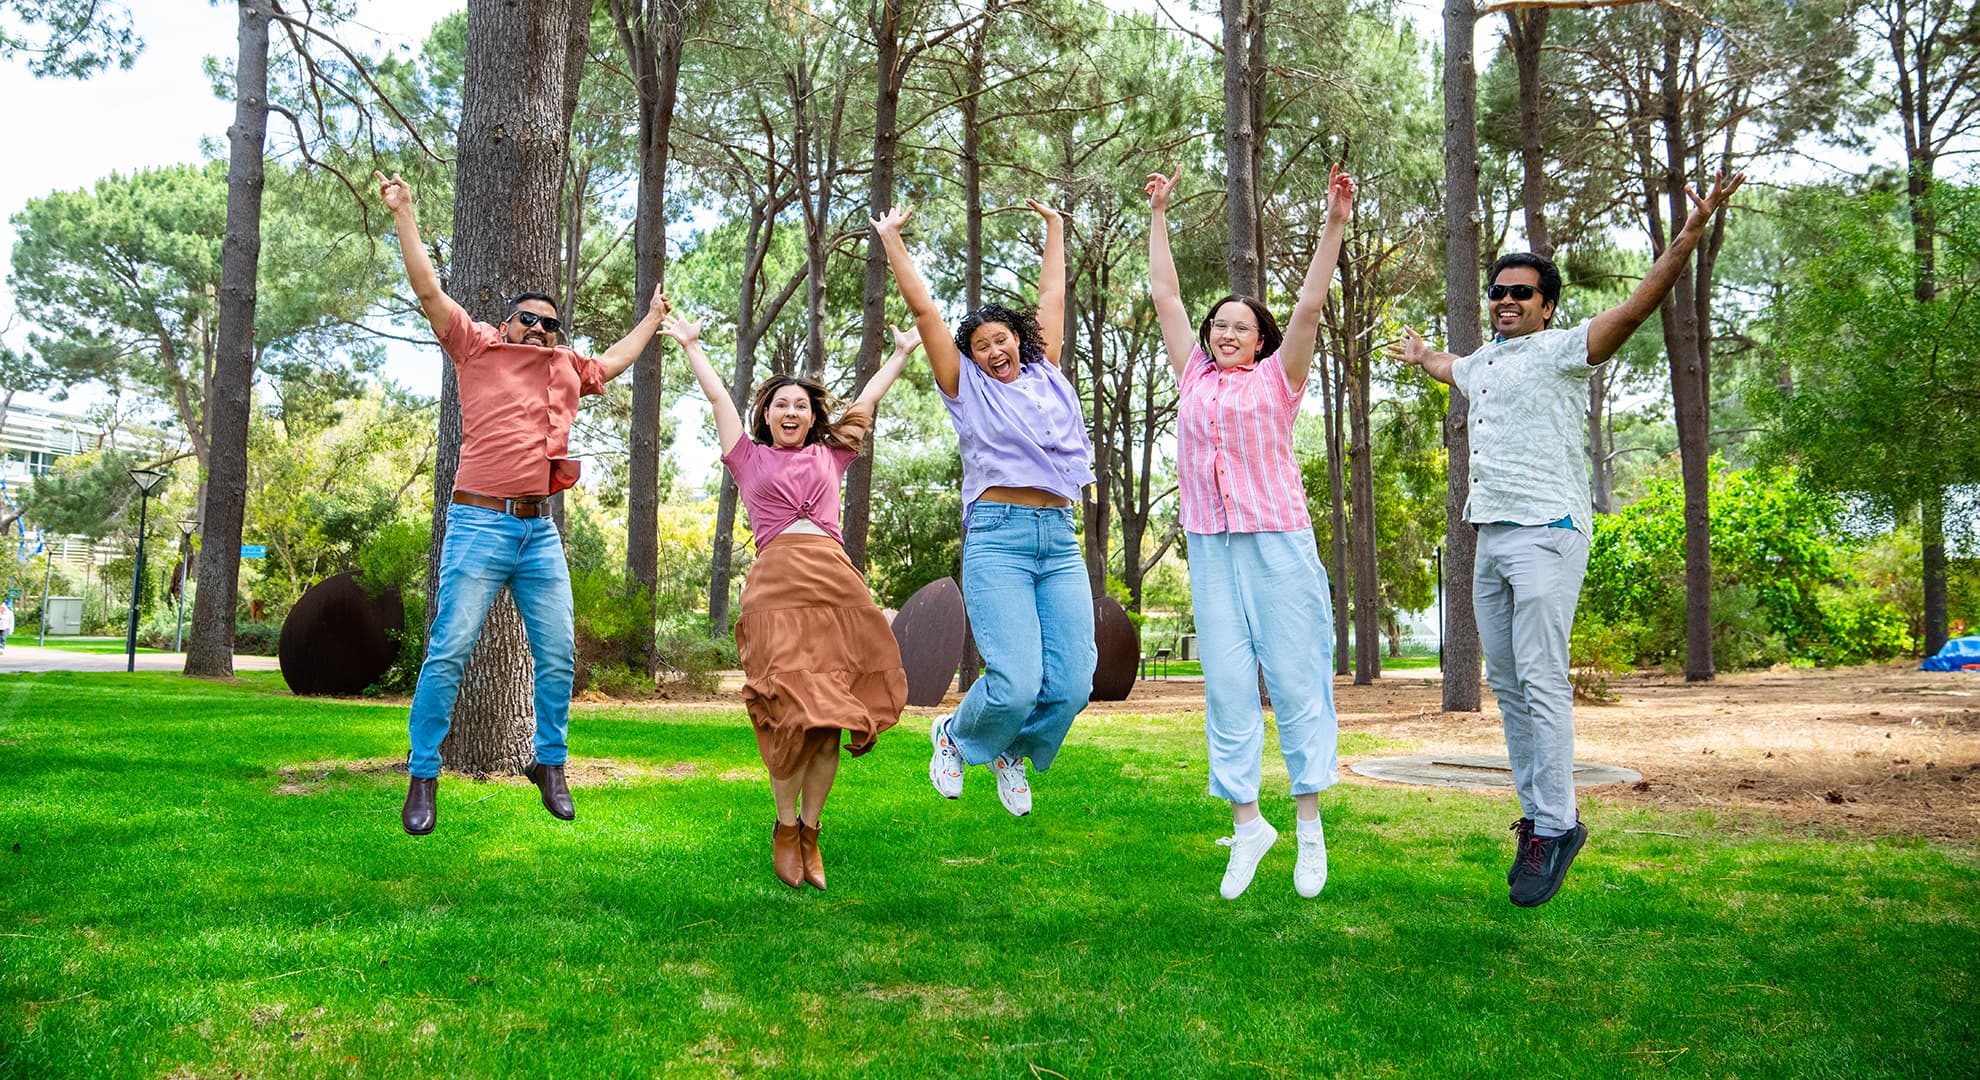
(187, 526)
(145, 479)
(47, 568)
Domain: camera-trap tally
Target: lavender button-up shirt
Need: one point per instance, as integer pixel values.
(1024, 433)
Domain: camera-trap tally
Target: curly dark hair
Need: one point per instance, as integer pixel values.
(840, 434)
(1031, 343)
(1269, 336)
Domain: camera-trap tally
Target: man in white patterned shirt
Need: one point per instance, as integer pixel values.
(1527, 390)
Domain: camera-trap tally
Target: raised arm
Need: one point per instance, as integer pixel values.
(1608, 331)
(434, 302)
(1303, 329)
(943, 358)
(905, 342)
(1412, 349)
(1052, 281)
(728, 422)
(627, 349)
(1164, 284)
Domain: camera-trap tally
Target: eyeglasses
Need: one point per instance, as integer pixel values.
(1521, 293)
(550, 323)
(1234, 327)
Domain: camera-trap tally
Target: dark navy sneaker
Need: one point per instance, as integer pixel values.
(1523, 829)
(1543, 864)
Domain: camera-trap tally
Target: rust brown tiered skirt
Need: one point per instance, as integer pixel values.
(817, 655)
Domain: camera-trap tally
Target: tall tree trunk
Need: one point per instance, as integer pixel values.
(873, 306)
(517, 99)
(1361, 473)
(1098, 506)
(1461, 275)
(1528, 29)
(210, 649)
(652, 34)
(1601, 480)
(1247, 271)
(1690, 369)
(1333, 394)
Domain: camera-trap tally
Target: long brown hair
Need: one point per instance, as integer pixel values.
(848, 432)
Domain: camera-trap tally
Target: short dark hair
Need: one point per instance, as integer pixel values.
(1269, 336)
(1031, 343)
(1550, 275)
(516, 301)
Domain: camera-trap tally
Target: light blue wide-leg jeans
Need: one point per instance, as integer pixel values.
(1261, 600)
(1525, 583)
(485, 550)
(1031, 609)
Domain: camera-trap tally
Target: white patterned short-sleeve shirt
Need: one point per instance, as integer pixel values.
(1528, 398)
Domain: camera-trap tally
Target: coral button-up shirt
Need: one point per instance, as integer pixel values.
(1234, 455)
(517, 403)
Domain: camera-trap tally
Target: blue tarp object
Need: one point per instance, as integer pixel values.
(1958, 653)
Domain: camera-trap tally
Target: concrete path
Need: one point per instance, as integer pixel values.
(22, 657)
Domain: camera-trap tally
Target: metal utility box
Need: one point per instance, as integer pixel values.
(64, 614)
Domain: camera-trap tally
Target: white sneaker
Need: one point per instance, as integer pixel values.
(1245, 853)
(945, 768)
(1012, 788)
(1310, 871)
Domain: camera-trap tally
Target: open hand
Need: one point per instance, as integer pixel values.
(1046, 212)
(682, 329)
(906, 341)
(396, 192)
(1341, 190)
(1411, 349)
(1159, 189)
(889, 223)
(1703, 209)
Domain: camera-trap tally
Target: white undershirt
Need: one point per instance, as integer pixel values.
(807, 526)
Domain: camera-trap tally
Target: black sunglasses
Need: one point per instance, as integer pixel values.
(1521, 293)
(551, 324)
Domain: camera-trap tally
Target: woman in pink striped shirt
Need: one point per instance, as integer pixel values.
(1256, 584)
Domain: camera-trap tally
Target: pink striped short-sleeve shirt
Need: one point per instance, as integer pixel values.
(1234, 453)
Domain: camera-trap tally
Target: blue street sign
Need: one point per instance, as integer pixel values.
(254, 551)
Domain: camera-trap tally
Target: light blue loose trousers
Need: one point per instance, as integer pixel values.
(1031, 608)
(485, 550)
(1261, 601)
(1525, 582)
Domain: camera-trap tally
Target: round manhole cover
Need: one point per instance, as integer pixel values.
(1478, 770)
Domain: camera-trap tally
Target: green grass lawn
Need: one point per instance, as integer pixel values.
(168, 909)
(103, 646)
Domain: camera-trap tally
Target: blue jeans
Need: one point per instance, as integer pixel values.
(484, 551)
(1261, 600)
(1031, 609)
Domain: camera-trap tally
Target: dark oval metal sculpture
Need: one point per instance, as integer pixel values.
(339, 639)
(1119, 644)
(929, 630)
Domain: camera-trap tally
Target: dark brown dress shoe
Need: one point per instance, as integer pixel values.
(814, 864)
(417, 814)
(786, 856)
(549, 779)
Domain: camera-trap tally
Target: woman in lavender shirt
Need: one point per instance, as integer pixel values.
(1025, 457)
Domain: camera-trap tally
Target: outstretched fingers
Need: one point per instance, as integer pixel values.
(1160, 187)
(893, 219)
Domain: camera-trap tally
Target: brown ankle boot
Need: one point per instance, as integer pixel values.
(785, 854)
(814, 864)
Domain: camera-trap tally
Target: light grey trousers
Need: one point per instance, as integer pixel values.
(1525, 582)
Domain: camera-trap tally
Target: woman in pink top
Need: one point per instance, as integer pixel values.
(818, 657)
(1257, 587)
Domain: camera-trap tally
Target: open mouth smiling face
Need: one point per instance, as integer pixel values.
(995, 349)
(1234, 336)
(789, 416)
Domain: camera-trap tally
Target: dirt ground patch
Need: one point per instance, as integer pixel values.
(1881, 749)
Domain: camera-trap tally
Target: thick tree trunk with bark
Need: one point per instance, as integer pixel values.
(1361, 473)
(210, 648)
(651, 35)
(1333, 393)
(1246, 267)
(520, 90)
(1527, 27)
(1461, 274)
(873, 307)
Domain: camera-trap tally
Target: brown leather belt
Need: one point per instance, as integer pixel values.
(522, 506)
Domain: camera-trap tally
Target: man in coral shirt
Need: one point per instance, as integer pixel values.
(519, 388)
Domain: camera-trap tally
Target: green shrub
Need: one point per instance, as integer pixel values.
(395, 558)
(257, 637)
(689, 654)
(1599, 650)
(1861, 627)
(619, 681)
